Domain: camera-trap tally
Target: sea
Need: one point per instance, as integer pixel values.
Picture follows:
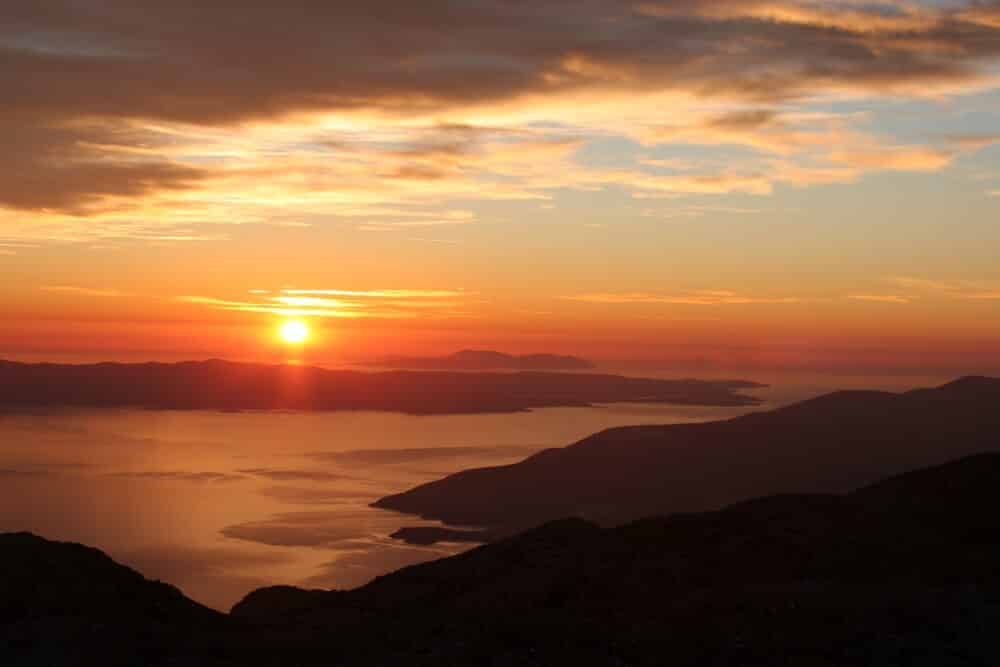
(220, 503)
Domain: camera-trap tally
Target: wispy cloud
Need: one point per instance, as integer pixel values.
(974, 142)
(270, 308)
(895, 158)
(342, 303)
(698, 211)
(986, 295)
(881, 298)
(957, 289)
(698, 298)
(923, 284)
(83, 291)
(379, 294)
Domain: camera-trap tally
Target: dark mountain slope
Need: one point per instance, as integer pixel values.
(886, 575)
(63, 604)
(828, 444)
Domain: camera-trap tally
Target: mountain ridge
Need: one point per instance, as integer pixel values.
(830, 443)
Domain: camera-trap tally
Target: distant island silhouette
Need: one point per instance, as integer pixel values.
(830, 444)
(225, 385)
(899, 572)
(484, 360)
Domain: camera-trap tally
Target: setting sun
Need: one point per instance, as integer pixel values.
(294, 332)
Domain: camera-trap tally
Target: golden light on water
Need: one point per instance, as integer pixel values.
(294, 332)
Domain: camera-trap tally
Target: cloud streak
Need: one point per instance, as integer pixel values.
(699, 298)
(963, 290)
(82, 291)
(881, 298)
(347, 304)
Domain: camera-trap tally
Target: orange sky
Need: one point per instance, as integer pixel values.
(738, 183)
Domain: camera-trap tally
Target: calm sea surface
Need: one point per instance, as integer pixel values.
(221, 503)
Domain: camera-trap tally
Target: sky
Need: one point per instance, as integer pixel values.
(729, 183)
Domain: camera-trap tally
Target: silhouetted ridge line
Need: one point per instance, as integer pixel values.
(832, 443)
(67, 604)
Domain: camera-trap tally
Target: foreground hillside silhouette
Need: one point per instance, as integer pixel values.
(829, 444)
(900, 572)
(223, 385)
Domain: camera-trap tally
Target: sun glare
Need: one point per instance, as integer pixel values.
(293, 332)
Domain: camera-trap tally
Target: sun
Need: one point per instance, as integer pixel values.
(294, 332)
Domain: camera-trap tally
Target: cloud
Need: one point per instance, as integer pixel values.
(960, 289)
(767, 130)
(703, 184)
(990, 295)
(268, 308)
(82, 291)
(922, 283)
(379, 294)
(337, 303)
(881, 298)
(698, 211)
(698, 298)
(813, 148)
(896, 158)
(76, 168)
(163, 122)
(983, 13)
(974, 142)
(310, 56)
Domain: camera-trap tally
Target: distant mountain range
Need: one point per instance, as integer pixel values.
(224, 385)
(831, 444)
(484, 360)
(899, 572)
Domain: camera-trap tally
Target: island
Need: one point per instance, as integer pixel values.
(226, 385)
